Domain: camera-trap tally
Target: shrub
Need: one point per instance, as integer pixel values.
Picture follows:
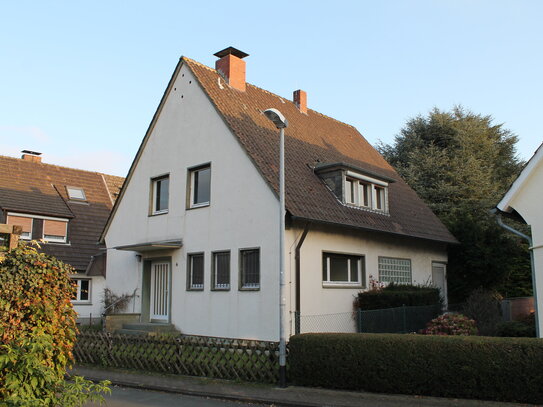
(503, 369)
(37, 327)
(396, 295)
(450, 324)
(484, 306)
(522, 328)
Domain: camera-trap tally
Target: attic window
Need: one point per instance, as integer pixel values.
(76, 194)
(365, 192)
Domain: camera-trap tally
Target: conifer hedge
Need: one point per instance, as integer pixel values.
(501, 369)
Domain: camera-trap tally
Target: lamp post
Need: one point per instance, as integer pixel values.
(280, 122)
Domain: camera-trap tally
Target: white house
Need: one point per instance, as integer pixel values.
(524, 199)
(195, 228)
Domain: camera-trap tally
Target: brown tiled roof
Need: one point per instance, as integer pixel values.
(310, 139)
(114, 185)
(40, 189)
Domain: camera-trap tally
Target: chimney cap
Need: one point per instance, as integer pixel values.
(30, 152)
(231, 50)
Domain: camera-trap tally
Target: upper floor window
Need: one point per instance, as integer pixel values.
(160, 194)
(55, 230)
(394, 270)
(366, 192)
(23, 221)
(76, 194)
(200, 186)
(342, 270)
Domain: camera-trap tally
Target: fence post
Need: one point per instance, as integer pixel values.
(404, 315)
(296, 322)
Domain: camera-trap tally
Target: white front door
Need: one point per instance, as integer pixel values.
(160, 289)
(439, 279)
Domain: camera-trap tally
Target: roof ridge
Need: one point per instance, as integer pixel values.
(56, 165)
(272, 94)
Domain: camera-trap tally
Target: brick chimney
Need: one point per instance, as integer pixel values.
(299, 98)
(232, 67)
(32, 156)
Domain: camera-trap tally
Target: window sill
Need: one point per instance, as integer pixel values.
(195, 289)
(342, 285)
(158, 213)
(249, 288)
(220, 289)
(81, 303)
(202, 205)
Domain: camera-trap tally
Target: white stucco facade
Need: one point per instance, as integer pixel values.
(91, 311)
(525, 197)
(241, 214)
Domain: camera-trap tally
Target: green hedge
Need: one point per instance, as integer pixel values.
(502, 369)
(396, 295)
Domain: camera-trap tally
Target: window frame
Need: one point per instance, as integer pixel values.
(387, 279)
(191, 186)
(190, 272)
(78, 299)
(361, 270)
(22, 215)
(254, 286)
(154, 190)
(54, 238)
(214, 271)
(357, 183)
(71, 198)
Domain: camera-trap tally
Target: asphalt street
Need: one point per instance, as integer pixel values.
(129, 397)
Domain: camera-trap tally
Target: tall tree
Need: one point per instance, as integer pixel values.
(461, 164)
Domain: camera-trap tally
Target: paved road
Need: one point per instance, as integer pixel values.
(128, 397)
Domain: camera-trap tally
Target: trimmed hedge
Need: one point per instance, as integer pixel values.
(501, 369)
(396, 295)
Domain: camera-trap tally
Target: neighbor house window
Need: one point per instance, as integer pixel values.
(76, 194)
(365, 192)
(161, 193)
(55, 230)
(195, 273)
(342, 270)
(200, 186)
(394, 270)
(82, 293)
(23, 221)
(249, 263)
(220, 273)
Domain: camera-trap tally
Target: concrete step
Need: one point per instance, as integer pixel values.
(133, 332)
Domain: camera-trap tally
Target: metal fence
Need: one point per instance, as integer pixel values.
(234, 359)
(390, 320)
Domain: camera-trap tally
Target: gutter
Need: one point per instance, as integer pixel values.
(298, 265)
(531, 248)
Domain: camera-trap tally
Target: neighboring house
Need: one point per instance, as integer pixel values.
(68, 209)
(196, 226)
(524, 199)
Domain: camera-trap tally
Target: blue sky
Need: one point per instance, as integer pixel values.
(80, 80)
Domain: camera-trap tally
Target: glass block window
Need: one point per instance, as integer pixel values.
(393, 270)
(249, 262)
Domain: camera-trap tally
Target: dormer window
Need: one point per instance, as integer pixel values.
(76, 194)
(356, 187)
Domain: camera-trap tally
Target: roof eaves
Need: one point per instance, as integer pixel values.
(320, 168)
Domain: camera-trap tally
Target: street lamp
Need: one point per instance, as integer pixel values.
(280, 122)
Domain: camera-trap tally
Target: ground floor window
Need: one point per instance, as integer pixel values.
(343, 269)
(83, 290)
(195, 271)
(220, 274)
(249, 264)
(394, 270)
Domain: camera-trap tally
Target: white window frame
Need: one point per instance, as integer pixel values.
(359, 265)
(74, 198)
(190, 272)
(390, 263)
(359, 182)
(53, 238)
(23, 235)
(78, 299)
(154, 183)
(192, 186)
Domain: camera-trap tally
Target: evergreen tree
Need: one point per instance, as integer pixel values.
(461, 164)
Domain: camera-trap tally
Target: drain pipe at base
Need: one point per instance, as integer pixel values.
(531, 249)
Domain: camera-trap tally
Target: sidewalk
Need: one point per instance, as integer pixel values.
(269, 394)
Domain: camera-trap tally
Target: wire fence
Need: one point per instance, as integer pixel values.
(390, 320)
